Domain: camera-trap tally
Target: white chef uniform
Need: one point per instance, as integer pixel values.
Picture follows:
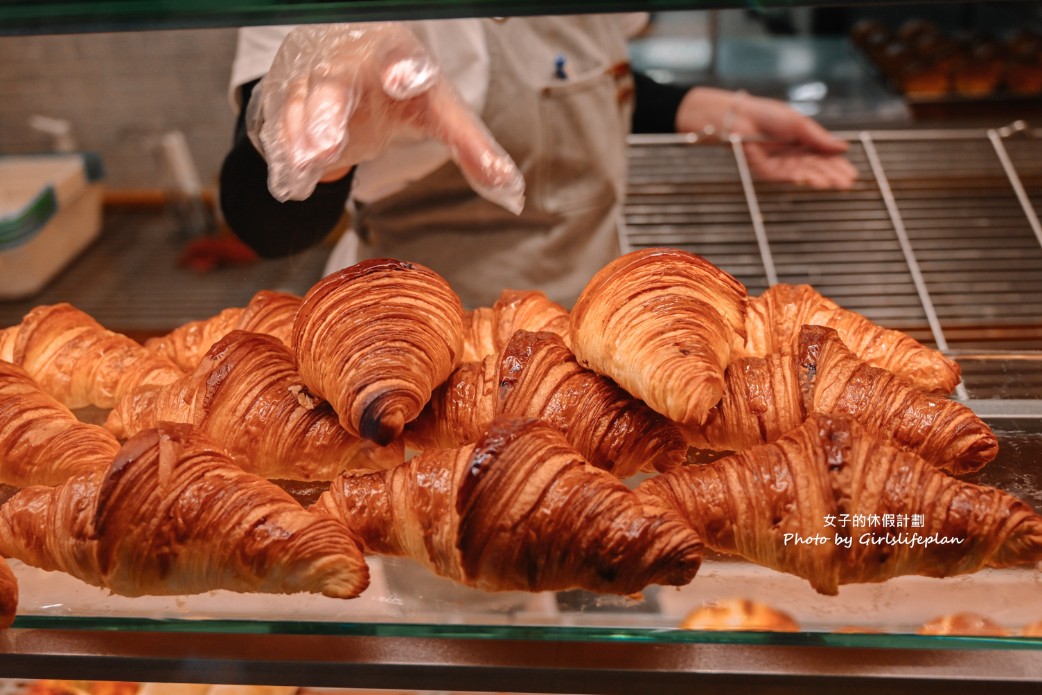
(556, 92)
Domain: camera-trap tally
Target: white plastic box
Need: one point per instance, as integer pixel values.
(50, 211)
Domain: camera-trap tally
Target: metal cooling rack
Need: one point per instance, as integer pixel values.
(939, 237)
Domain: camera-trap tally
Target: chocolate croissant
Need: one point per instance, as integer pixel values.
(835, 505)
(776, 317)
(375, 340)
(246, 395)
(538, 376)
(487, 330)
(520, 509)
(662, 323)
(767, 397)
(173, 514)
(41, 441)
(270, 313)
(80, 362)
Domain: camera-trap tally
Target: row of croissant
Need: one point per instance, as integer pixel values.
(527, 417)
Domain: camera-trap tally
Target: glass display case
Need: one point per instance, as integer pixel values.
(940, 237)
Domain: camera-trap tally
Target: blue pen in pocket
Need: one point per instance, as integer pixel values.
(559, 72)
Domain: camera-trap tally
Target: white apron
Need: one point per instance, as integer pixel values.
(560, 102)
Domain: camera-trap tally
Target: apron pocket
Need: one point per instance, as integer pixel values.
(584, 144)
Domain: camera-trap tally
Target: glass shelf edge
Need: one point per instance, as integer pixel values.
(533, 633)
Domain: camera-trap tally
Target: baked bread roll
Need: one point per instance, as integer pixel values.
(375, 340)
(270, 313)
(662, 323)
(538, 376)
(246, 395)
(174, 514)
(776, 317)
(78, 361)
(519, 510)
(963, 624)
(487, 330)
(767, 397)
(773, 504)
(1032, 630)
(41, 441)
(739, 614)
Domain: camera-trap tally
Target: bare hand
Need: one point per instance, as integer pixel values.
(783, 144)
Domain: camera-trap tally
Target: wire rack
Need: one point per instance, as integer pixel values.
(940, 237)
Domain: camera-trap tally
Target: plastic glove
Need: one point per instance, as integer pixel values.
(783, 145)
(339, 94)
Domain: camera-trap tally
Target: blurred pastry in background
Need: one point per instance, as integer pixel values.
(1032, 630)
(917, 28)
(739, 614)
(870, 34)
(1024, 45)
(1024, 78)
(977, 78)
(923, 79)
(969, 624)
(981, 73)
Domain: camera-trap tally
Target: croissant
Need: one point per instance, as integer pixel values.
(766, 397)
(739, 614)
(520, 509)
(963, 624)
(78, 361)
(375, 340)
(775, 504)
(776, 316)
(247, 395)
(8, 595)
(8, 337)
(538, 376)
(662, 323)
(486, 331)
(173, 514)
(41, 441)
(270, 313)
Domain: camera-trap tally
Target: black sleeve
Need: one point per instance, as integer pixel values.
(656, 105)
(271, 228)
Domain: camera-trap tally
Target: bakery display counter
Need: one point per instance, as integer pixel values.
(940, 238)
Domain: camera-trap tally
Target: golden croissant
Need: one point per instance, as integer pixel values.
(767, 397)
(835, 505)
(41, 441)
(662, 323)
(173, 514)
(538, 376)
(521, 510)
(486, 330)
(375, 340)
(8, 595)
(270, 313)
(80, 362)
(246, 395)
(776, 316)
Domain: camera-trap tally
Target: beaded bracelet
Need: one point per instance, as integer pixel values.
(732, 113)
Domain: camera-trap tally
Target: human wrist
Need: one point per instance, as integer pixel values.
(727, 122)
(709, 113)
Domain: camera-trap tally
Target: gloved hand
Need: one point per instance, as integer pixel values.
(339, 94)
(782, 145)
